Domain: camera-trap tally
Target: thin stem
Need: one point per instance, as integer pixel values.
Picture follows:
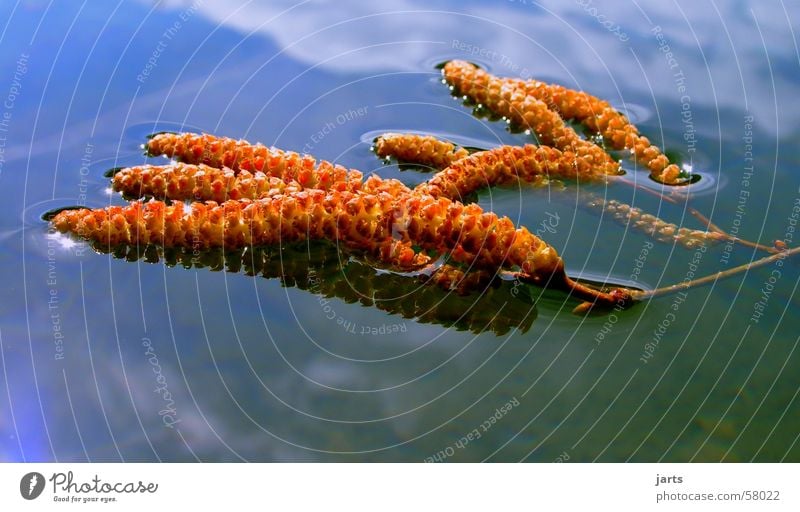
(622, 297)
(641, 295)
(705, 220)
(592, 297)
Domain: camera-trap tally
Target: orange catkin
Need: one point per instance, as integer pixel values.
(381, 224)
(505, 98)
(419, 149)
(543, 107)
(508, 164)
(185, 182)
(534, 165)
(382, 218)
(240, 155)
(463, 173)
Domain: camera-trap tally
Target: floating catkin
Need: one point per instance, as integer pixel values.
(507, 99)
(508, 164)
(343, 217)
(185, 182)
(240, 155)
(537, 165)
(419, 149)
(542, 108)
(370, 222)
(600, 117)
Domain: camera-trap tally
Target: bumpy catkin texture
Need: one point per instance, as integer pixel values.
(184, 182)
(237, 224)
(465, 174)
(652, 225)
(240, 155)
(525, 102)
(534, 164)
(382, 224)
(599, 116)
(507, 164)
(506, 98)
(419, 149)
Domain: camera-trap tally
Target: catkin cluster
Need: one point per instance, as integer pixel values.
(543, 107)
(381, 217)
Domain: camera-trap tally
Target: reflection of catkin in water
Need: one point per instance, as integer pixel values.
(437, 297)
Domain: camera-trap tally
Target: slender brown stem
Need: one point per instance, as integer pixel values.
(592, 296)
(625, 297)
(755, 245)
(727, 236)
(647, 294)
(705, 220)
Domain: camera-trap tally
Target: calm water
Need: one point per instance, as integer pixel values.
(108, 360)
